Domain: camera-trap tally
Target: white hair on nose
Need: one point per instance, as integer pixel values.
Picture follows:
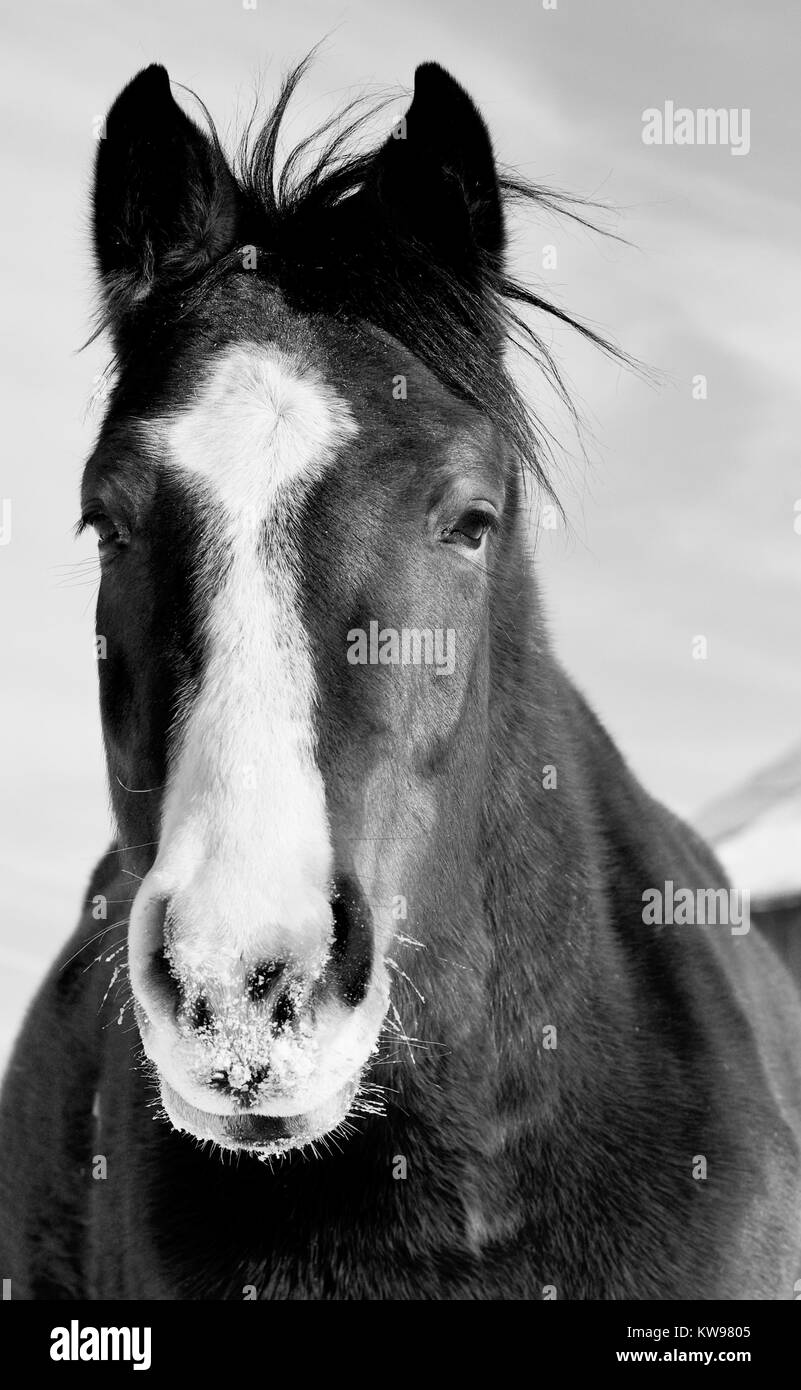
(245, 849)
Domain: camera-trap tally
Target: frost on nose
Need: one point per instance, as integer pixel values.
(261, 1026)
(252, 1027)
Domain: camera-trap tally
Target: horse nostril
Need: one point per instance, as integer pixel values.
(284, 1010)
(352, 949)
(262, 978)
(199, 1015)
(163, 981)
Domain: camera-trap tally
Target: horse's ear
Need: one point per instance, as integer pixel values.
(165, 202)
(436, 179)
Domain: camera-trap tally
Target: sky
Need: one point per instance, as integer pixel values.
(684, 513)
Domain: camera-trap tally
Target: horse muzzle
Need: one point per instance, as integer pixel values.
(257, 1045)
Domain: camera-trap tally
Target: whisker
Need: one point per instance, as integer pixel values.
(123, 849)
(140, 790)
(393, 964)
(106, 959)
(110, 986)
(402, 1032)
(121, 923)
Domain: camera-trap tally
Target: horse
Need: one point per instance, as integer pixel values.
(369, 998)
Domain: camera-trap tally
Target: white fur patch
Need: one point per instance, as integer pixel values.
(245, 852)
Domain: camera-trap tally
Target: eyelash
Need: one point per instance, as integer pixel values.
(95, 519)
(452, 535)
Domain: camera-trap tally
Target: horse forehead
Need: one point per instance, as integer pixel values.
(262, 425)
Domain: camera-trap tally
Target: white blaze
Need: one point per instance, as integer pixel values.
(245, 850)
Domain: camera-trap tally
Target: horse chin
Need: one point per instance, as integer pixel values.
(262, 1135)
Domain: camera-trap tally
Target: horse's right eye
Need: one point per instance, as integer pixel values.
(470, 529)
(108, 532)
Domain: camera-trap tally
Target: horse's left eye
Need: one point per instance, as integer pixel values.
(470, 529)
(107, 531)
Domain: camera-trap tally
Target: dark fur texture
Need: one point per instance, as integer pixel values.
(527, 1167)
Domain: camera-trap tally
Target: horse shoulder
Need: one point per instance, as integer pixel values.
(46, 1120)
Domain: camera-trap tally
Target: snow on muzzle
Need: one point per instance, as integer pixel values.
(259, 1041)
